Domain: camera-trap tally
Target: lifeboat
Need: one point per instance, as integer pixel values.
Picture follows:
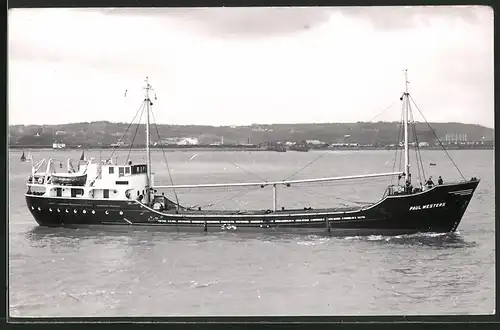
(69, 179)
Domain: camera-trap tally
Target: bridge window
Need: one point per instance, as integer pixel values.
(111, 170)
(121, 171)
(105, 193)
(58, 192)
(127, 170)
(138, 169)
(75, 192)
(121, 182)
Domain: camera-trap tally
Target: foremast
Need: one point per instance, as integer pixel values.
(147, 88)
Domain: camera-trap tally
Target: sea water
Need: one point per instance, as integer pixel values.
(130, 271)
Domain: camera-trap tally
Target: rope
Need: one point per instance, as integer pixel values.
(439, 141)
(418, 157)
(307, 165)
(246, 171)
(337, 197)
(397, 148)
(343, 183)
(381, 112)
(418, 154)
(135, 134)
(421, 163)
(114, 148)
(165, 157)
(239, 194)
(328, 152)
(401, 155)
(415, 138)
(168, 169)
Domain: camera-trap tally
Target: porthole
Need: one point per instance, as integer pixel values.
(93, 212)
(58, 210)
(74, 211)
(84, 211)
(121, 212)
(32, 207)
(39, 209)
(67, 211)
(50, 210)
(106, 212)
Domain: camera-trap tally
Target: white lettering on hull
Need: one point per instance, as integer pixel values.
(276, 221)
(427, 206)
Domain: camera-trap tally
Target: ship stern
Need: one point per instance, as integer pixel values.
(39, 209)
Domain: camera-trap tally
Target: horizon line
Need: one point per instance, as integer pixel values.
(253, 124)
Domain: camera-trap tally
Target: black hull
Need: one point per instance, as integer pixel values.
(438, 210)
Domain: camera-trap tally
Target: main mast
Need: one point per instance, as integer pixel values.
(148, 151)
(405, 115)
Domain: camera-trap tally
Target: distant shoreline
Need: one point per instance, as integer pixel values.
(243, 148)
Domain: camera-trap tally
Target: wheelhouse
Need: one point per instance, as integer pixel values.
(126, 170)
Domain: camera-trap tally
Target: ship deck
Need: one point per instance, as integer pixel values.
(267, 212)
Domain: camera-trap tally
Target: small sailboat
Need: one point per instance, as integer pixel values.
(28, 158)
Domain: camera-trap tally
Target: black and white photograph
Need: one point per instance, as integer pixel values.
(251, 161)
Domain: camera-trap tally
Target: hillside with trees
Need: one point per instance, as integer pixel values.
(104, 133)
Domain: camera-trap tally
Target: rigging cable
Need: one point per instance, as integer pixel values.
(244, 170)
(114, 148)
(401, 155)
(328, 152)
(239, 194)
(337, 197)
(418, 154)
(307, 165)
(341, 183)
(397, 146)
(412, 131)
(400, 131)
(439, 141)
(135, 134)
(381, 112)
(165, 158)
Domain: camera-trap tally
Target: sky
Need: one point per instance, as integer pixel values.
(238, 66)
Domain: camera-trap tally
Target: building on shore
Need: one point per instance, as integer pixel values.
(181, 141)
(120, 144)
(58, 145)
(455, 138)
